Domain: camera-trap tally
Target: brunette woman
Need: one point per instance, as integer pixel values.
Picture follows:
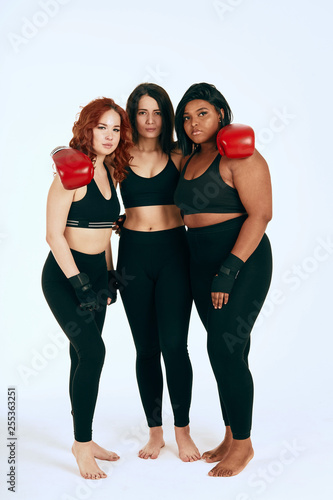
(227, 204)
(153, 249)
(75, 275)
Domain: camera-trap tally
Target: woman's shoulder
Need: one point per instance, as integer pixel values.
(254, 168)
(58, 195)
(255, 161)
(178, 159)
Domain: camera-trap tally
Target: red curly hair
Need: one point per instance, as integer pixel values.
(87, 119)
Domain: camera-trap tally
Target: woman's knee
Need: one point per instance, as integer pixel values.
(174, 349)
(226, 350)
(93, 353)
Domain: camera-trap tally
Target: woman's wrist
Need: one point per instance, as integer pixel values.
(225, 279)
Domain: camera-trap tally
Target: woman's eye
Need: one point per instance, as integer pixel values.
(116, 129)
(101, 127)
(203, 113)
(185, 118)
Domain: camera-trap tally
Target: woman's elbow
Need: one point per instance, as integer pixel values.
(262, 217)
(266, 213)
(268, 216)
(51, 238)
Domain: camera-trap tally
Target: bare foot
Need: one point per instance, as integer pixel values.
(154, 445)
(188, 452)
(83, 452)
(240, 453)
(103, 454)
(221, 451)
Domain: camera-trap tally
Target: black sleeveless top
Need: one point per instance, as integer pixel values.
(207, 193)
(95, 211)
(138, 191)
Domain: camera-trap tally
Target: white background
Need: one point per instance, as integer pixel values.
(272, 61)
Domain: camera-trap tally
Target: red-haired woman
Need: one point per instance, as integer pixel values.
(79, 225)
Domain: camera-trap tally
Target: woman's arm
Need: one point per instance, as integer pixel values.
(58, 204)
(108, 257)
(252, 180)
(109, 265)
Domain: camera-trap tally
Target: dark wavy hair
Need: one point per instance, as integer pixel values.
(162, 98)
(82, 140)
(206, 92)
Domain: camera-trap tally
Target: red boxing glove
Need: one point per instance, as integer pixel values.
(235, 141)
(75, 169)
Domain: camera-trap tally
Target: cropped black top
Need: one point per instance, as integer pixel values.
(138, 191)
(95, 211)
(207, 193)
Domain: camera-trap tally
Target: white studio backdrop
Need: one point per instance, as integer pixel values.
(272, 62)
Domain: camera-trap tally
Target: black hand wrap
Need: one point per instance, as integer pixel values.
(120, 221)
(113, 285)
(85, 294)
(227, 274)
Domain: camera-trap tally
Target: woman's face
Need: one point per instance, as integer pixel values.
(106, 134)
(148, 118)
(201, 121)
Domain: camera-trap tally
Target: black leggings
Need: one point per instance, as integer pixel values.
(83, 329)
(157, 300)
(229, 328)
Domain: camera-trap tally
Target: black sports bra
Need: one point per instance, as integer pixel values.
(138, 191)
(207, 193)
(95, 211)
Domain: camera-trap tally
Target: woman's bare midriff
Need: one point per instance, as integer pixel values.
(90, 241)
(153, 218)
(201, 220)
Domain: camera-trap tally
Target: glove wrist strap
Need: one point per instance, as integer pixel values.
(231, 266)
(80, 280)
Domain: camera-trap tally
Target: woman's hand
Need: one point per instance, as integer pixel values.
(119, 224)
(224, 280)
(219, 299)
(112, 286)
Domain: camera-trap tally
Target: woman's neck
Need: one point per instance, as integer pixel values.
(208, 147)
(99, 163)
(147, 145)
